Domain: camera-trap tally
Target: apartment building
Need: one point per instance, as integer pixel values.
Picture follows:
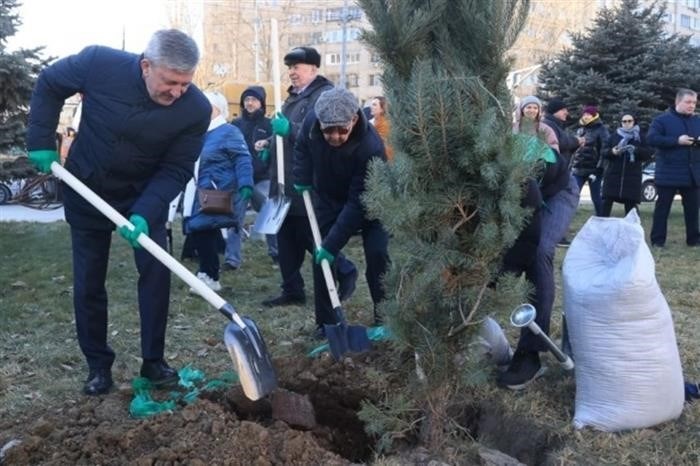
(236, 44)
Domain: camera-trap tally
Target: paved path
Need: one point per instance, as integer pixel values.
(18, 213)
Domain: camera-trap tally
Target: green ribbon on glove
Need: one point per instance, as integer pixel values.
(131, 236)
(280, 125)
(42, 159)
(300, 188)
(264, 155)
(246, 192)
(321, 254)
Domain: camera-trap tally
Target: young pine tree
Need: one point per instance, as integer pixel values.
(18, 71)
(625, 61)
(451, 198)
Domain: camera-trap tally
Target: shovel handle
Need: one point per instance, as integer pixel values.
(147, 243)
(277, 92)
(327, 274)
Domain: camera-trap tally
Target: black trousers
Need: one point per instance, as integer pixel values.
(608, 205)
(375, 242)
(206, 243)
(689, 197)
(90, 259)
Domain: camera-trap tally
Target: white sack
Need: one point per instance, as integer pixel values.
(628, 371)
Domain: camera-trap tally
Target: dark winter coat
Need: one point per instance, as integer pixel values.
(588, 159)
(295, 108)
(521, 255)
(676, 165)
(567, 141)
(255, 126)
(337, 175)
(136, 154)
(622, 180)
(224, 165)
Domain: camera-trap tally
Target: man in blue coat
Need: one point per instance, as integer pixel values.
(142, 128)
(331, 158)
(676, 136)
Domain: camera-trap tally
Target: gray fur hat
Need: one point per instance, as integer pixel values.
(336, 107)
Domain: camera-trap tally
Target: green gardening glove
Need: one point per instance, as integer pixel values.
(42, 159)
(280, 125)
(140, 226)
(300, 188)
(246, 192)
(321, 254)
(264, 155)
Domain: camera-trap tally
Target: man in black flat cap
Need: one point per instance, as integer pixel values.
(294, 237)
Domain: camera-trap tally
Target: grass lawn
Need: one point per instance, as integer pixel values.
(41, 365)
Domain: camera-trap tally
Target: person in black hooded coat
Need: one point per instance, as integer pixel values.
(255, 127)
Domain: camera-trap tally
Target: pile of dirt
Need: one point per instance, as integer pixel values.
(222, 427)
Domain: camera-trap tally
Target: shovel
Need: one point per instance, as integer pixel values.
(242, 338)
(524, 316)
(342, 337)
(274, 211)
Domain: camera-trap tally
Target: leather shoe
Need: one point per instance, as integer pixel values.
(159, 373)
(285, 300)
(347, 282)
(99, 382)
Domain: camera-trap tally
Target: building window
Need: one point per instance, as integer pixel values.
(685, 21)
(353, 80)
(350, 58)
(375, 58)
(316, 16)
(295, 19)
(375, 80)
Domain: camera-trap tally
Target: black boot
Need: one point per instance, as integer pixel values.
(159, 373)
(524, 368)
(285, 300)
(99, 382)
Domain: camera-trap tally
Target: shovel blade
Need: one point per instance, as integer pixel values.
(344, 338)
(251, 359)
(270, 218)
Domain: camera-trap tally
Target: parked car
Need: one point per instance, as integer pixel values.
(648, 185)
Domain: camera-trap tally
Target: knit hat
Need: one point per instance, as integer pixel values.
(530, 99)
(308, 55)
(254, 91)
(590, 109)
(554, 105)
(336, 107)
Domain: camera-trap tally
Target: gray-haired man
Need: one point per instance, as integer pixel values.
(142, 128)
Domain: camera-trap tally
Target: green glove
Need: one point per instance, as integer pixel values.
(280, 125)
(42, 159)
(140, 226)
(264, 155)
(322, 254)
(246, 192)
(300, 188)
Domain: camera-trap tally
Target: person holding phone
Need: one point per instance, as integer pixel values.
(675, 134)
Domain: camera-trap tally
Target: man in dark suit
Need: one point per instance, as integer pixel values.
(142, 128)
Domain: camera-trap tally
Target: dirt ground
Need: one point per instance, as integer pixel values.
(221, 428)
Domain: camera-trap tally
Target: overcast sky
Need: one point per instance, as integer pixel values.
(64, 27)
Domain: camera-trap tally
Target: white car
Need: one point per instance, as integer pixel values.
(648, 184)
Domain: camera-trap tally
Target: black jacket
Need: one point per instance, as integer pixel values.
(136, 154)
(567, 141)
(295, 108)
(255, 126)
(622, 180)
(587, 160)
(337, 175)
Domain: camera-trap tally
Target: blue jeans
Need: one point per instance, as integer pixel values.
(234, 255)
(555, 220)
(595, 191)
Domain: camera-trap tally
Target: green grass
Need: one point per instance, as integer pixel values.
(41, 365)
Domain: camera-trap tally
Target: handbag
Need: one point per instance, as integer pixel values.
(214, 201)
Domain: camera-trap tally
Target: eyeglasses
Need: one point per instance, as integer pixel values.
(342, 130)
(628, 121)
